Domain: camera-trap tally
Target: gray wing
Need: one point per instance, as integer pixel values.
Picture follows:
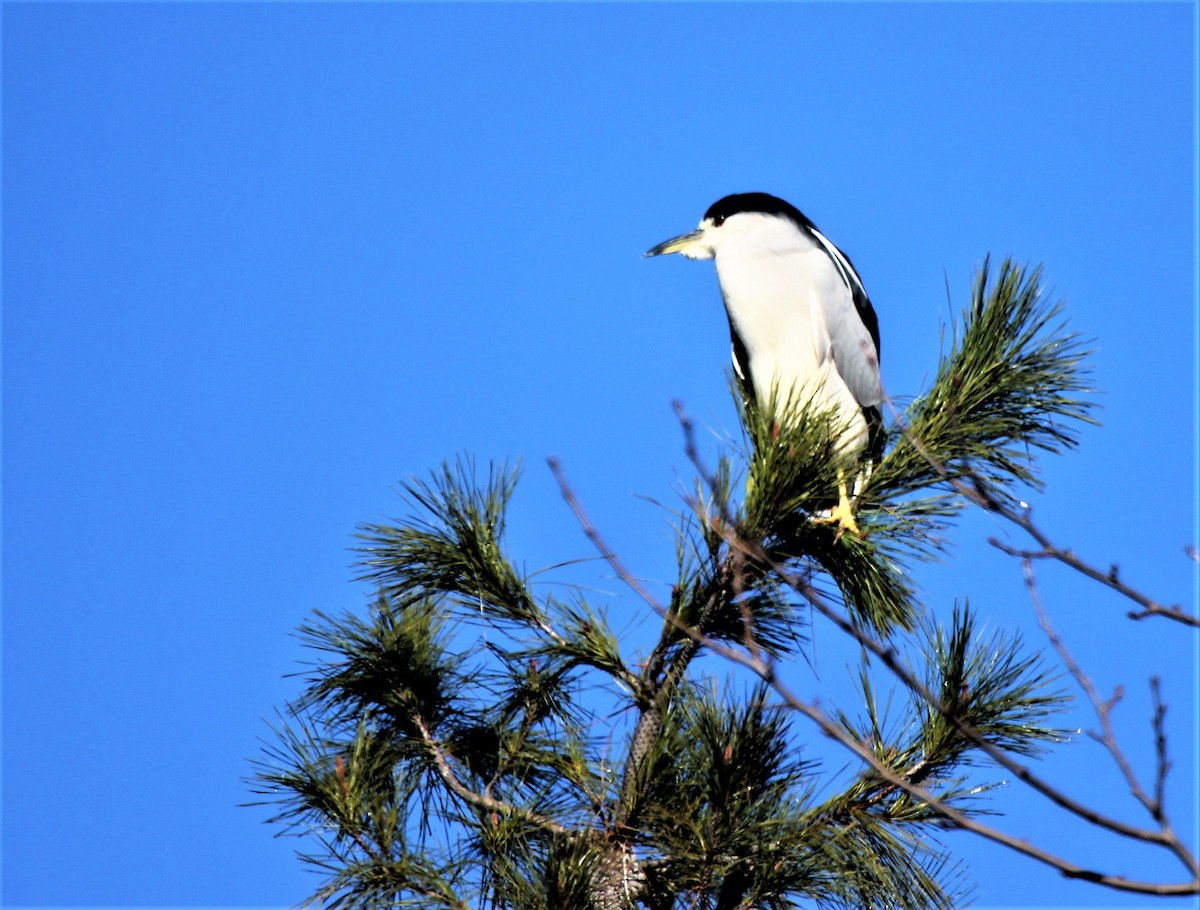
(853, 331)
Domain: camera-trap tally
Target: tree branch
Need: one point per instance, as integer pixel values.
(478, 800)
(1164, 837)
(1156, 805)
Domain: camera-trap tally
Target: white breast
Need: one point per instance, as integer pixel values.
(776, 296)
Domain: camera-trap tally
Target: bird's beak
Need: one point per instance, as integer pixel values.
(674, 245)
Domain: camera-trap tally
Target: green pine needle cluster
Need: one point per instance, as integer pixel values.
(990, 684)
(474, 741)
(1012, 385)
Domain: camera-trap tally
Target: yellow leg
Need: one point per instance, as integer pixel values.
(843, 513)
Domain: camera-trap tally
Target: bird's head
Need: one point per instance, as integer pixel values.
(756, 219)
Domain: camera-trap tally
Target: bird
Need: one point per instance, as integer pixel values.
(804, 333)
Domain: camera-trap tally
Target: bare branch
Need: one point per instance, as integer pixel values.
(478, 800)
(1110, 579)
(659, 678)
(597, 540)
(910, 781)
(1160, 745)
(1102, 708)
(977, 494)
(961, 820)
(890, 658)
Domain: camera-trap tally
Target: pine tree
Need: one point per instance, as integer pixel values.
(448, 749)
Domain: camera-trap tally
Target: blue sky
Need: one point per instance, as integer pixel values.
(263, 262)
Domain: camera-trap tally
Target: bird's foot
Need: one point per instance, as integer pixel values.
(841, 515)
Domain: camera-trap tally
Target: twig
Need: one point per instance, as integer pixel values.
(597, 540)
(478, 800)
(977, 494)
(1160, 743)
(1110, 579)
(1103, 709)
(960, 819)
(890, 658)
(658, 678)
(887, 654)
(1166, 837)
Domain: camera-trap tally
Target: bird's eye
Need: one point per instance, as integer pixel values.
(718, 220)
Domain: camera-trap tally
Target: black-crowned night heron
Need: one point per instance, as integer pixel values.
(804, 332)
